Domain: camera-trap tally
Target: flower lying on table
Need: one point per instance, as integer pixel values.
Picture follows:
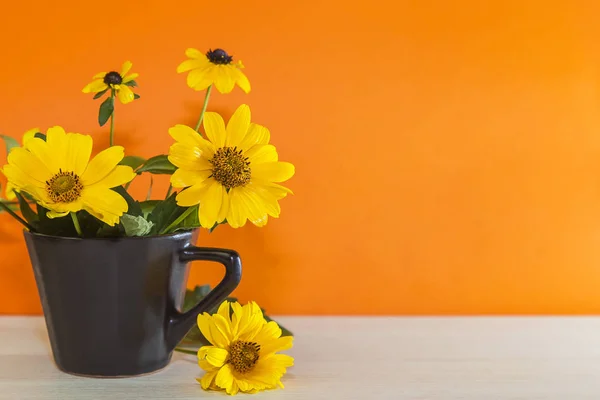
(243, 356)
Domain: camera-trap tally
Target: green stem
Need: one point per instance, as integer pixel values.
(208, 90)
(15, 216)
(169, 191)
(179, 349)
(178, 220)
(76, 224)
(112, 120)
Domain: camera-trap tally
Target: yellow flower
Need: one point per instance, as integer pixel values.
(215, 68)
(243, 352)
(115, 81)
(232, 175)
(10, 188)
(58, 173)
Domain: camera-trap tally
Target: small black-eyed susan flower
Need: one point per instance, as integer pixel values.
(120, 82)
(217, 68)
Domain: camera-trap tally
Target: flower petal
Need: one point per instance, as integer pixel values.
(30, 170)
(125, 95)
(250, 321)
(78, 151)
(188, 157)
(194, 53)
(269, 332)
(184, 178)
(102, 165)
(130, 77)
(238, 126)
(214, 127)
(117, 177)
(241, 80)
(278, 171)
(104, 204)
(201, 78)
(224, 328)
(125, 68)
(261, 153)
(100, 75)
(274, 345)
(189, 65)
(208, 379)
(209, 194)
(224, 310)
(57, 141)
(54, 214)
(95, 86)
(257, 134)
(27, 136)
(245, 205)
(204, 320)
(224, 207)
(222, 78)
(44, 153)
(224, 378)
(215, 356)
(185, 134)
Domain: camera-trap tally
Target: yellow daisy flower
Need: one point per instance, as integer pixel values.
(58, 173)
(216, 67)
(233, 174)
(10, 188)
(115, 81)
(243, 356)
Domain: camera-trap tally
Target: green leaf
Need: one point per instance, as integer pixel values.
(133, 161)
(100, 94)
(149, 192)
(10, 143)
(136, 96)
(164, 213)
(134, 207)
(40, 135)
(11, 205)
(26, 210)
(107, 231)
(190, 222)
(106, 109)
(131, 84)
(136, 226)
(158, 165)
(193, 297)
(147, 206)
(56, 226)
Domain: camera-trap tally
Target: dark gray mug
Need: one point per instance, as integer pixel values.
(112, 306)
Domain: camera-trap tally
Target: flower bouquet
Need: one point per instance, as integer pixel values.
(110, 269)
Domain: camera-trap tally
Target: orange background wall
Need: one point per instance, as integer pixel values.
(447, 152)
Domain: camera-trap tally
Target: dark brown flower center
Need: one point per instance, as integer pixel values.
(230, 167)
(243, 355)
(64, 187)
(218, 56)
(113, 78)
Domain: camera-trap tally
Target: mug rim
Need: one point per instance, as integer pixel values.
(175, 235)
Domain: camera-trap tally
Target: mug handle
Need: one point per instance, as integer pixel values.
(181, 323)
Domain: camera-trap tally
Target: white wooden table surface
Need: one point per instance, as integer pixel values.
(354, 358)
